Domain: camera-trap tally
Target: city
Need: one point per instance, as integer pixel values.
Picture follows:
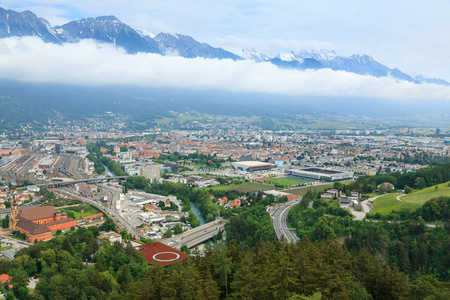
(224, 150)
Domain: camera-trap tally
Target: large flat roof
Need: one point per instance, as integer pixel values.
(157, 252)
(250, 164)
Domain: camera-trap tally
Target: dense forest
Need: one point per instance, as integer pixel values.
(75, 266)
(401, 240)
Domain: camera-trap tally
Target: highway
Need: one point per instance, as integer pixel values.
(195, 236)
(280, 222)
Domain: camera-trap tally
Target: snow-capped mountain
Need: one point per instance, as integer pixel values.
(26, 23)
(258, 56)
(421, 79)
(109, 29)
(359, 64)
(186, 46)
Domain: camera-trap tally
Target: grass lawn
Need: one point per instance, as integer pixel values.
(5, 248)
(302, 190)
(385, 204)
(296, 179)
(422, 196)
(243, 187)
(279, 181)
(76, 210)
(16, 237)
(334, 203)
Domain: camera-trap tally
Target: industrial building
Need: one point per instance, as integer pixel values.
(251, 166)
(321, 174)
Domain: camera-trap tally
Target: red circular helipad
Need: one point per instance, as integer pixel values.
(166, 256)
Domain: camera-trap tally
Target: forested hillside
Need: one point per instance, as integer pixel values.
(306, 270)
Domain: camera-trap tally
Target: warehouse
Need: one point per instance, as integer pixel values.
(321, 174)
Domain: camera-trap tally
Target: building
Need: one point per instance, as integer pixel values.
(111, 236)
(151, 171)
(5, 280)
(159, 253)
(58, 148)
(321, 174)
(251, 166)
(38, 223)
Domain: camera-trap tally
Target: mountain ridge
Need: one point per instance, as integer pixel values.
(109, 29)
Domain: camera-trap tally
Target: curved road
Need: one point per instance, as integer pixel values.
(280, 222)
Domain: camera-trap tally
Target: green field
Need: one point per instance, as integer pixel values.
(279, 181)
(76, 210)
(302, 190)
(243, 187)
(416, 199)
(424, 195)
(300, 180)
(387, 203)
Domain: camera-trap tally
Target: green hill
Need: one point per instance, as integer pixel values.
(389, 202)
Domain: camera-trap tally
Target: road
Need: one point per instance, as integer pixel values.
(195, 236)
(93, 180)
(280, 222)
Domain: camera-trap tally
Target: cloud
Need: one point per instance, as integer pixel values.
(89, 63)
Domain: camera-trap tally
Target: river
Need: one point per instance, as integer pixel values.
(197, 213)
(108, 172)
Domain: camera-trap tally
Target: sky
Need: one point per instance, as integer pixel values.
(412, 36)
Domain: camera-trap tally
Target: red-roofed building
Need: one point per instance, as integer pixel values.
(38, 223)
(5, 279)
(292, 197)
(159, 253)
(235, 203)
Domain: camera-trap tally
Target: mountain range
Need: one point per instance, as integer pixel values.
(109, 29)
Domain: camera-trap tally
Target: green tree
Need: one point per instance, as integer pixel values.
(222, 265)
(185, 249)
(168, 233)
(408, 190)
(178, 229)
(10, 296)
(42, 191)
(381, 189)
(420, 183)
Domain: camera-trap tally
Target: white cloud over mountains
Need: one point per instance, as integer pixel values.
(90, 63)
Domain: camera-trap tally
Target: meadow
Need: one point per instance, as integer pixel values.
(385, 204)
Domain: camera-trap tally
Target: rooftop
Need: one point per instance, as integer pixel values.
(157, 252)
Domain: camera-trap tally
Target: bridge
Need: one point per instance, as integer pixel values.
(195, 236)
(58, 182)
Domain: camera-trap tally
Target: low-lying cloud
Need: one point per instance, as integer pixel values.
(90, 63)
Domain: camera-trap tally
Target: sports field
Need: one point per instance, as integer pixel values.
(416, 199)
